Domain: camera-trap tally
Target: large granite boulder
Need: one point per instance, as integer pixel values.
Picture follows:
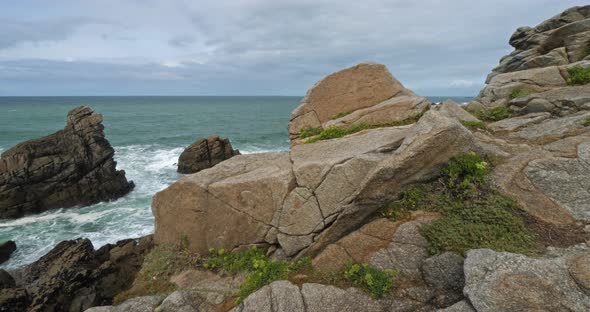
(74, 276)
(499, 281)
(205, 153)
(365, 93)
(72, 167)
(6, 249)
(288, 199)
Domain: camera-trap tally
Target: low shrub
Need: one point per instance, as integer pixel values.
(586, 122)
(486, 223)
(370, 279)
(495, 113)
(464, 173)
(578, 75)
(473, 124)
(472, 214)
(260, 270)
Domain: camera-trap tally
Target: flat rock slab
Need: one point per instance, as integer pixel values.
(565, 180)
(553, 129)
(499, 281)
(512, 124)
(283, 296)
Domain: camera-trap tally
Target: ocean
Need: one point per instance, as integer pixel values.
(148, 134)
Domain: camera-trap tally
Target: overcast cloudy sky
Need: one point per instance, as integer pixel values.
(252, 47)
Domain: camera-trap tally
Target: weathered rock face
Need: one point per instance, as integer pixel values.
(509, 282)
(74, 277)
(366, 92)
(71, 167)
(6, 249)
(205, 153)
(533, 78)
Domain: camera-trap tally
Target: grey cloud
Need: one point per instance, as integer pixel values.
(283, 47)
(14, 31)
(182, 41)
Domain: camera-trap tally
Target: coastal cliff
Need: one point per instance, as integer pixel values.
(384, 202)
(72, 167)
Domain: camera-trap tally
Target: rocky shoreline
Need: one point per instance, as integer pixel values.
(384, 202)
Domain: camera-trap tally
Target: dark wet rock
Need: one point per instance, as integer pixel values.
(6, 280)
(74, 276)
(72, 167)
(14, 300)
(6, 249)
(205, 153)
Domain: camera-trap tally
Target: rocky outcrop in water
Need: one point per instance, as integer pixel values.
(205, 153)
(74, 277)
(72, 167)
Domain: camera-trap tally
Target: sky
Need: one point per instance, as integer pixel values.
(252, 47)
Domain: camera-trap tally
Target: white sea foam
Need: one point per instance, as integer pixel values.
(151, 167)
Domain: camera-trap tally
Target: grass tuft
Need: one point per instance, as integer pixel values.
(340, 115)
(495, 113)
(473, 124)
(578, 75)
(517, 93)
(586, 122)
(334, 132)
(370, 279)
(309, 132)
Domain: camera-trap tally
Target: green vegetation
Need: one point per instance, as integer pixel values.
(472, 214)
(464, 173)
(495, 113)
(586, 122)
(334, 132)
(260, 270)
(309, 132)
(516, 93)
(158, 266)
(578, 75)
(340, 115)
(372, 280)
(474, 124)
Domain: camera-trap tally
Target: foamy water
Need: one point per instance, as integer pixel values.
(152, 168)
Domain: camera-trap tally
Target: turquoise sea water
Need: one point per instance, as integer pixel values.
(148, 134)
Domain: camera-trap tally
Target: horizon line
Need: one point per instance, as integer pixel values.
(189, 95)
